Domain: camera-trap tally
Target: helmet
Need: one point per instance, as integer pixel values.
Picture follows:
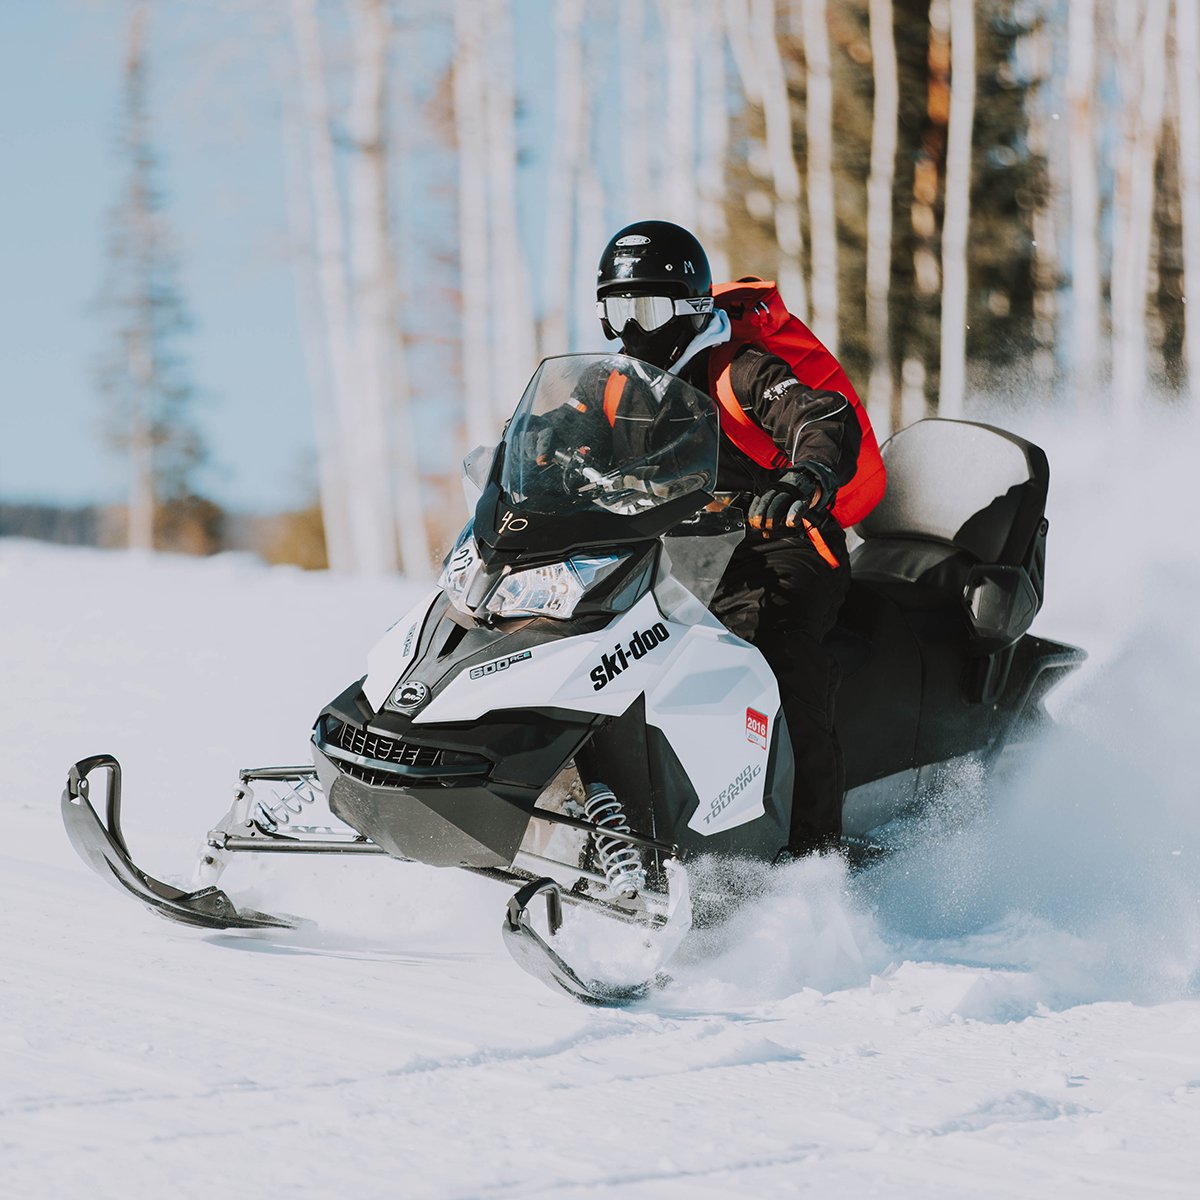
(654, 259)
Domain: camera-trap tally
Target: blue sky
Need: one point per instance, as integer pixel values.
(217, 130)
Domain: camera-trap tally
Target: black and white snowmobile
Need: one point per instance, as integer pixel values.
(563, 713)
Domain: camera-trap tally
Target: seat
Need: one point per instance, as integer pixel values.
(963, 520)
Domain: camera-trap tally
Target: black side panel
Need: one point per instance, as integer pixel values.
(616, 755)
(676, 802)
(879, 702)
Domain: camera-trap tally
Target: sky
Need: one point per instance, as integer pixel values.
(217, 130)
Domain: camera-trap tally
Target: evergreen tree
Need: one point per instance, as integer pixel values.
(144, 373)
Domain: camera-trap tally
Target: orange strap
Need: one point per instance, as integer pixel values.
(820, 544)
(613, 390)
(743, 431)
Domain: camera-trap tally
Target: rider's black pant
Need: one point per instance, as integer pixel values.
(783, 596)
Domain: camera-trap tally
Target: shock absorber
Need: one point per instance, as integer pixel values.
(619, 860)
(280, 809)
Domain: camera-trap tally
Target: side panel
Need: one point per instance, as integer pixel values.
(717, 702)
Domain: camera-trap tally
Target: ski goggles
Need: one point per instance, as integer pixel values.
(650, 312)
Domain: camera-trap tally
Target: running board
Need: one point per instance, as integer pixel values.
(102, 846)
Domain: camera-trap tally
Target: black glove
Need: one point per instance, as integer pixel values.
(788, 498)
(538, 445)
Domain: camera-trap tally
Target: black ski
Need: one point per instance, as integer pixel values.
(103, 848)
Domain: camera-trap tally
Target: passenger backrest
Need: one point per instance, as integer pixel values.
(963, 519)
(970, 486)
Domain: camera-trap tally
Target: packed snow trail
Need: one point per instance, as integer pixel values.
(1008, 1005)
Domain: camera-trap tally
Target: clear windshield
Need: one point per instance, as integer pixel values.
(608, 432)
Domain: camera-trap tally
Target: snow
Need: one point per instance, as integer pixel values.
(1009, 1005)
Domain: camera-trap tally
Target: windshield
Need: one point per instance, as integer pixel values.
(606, 432)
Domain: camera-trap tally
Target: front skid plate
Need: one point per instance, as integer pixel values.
(103, 849)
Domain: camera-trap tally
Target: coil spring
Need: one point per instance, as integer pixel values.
(620, 861)
(279, 810)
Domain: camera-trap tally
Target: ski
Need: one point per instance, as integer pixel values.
(102, 846)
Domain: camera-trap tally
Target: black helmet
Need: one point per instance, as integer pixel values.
(655, 258)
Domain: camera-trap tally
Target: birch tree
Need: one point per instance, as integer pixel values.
(1035, 49)
(1085, 204)
(763, 76)
(331, 464)
(1187, 65)
(822, 224)
(369, 523)
(879, 211)
(637, 182)
(679, 177)
(591, 233)
(514, 349)
(1142, 87)
(563, 173)
(958, 207)
(474, 258)
(712, 225)
(394, 473)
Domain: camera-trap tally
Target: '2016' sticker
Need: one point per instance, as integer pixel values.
(756, 728)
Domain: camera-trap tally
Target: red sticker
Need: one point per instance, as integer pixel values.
(756, 728)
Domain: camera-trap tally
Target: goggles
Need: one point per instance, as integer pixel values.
(650, 312)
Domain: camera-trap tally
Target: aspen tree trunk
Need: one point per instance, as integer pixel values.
(1135, 209)
(958, 208)
(373, 280)
(140, 517)
(1187, 60)
(737, 29)
(330, 459)
(679, 183)
(1035, 45)
(637, 180)
(564, 167)
(335, 294)
(822, 216)
(475, 263)
(394, 466)
(778, 120)
(713, 227)
(514, 340)
(590, 232)
(884, 137)
(1086, 341)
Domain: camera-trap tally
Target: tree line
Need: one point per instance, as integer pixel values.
(961, 197)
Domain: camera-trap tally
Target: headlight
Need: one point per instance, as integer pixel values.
(553, 590)
(460, 570)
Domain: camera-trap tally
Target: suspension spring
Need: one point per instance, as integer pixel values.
(620, 861)
(280, 809)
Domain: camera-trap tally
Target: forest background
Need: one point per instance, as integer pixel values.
(970, 202)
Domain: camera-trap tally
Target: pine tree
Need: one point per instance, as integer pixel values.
(145, 373)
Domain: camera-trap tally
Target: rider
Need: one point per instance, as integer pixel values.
(786, 582)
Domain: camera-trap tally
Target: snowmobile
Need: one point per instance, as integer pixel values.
(563, 712)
